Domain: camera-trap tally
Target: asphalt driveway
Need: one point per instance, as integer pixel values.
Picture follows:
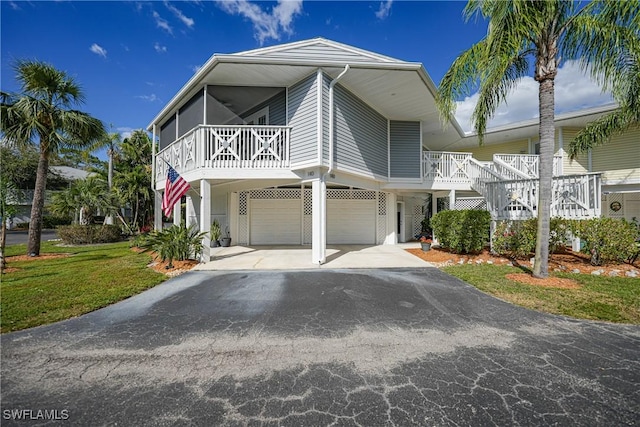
(339, 347)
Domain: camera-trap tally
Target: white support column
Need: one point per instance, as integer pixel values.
(392, 235)
(205, 211)
(319, 221)
(157, 210)
(452, 199)
(177, 213)
(434, 210)
(193, 208)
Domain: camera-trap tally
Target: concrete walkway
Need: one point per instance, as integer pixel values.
(299, 257)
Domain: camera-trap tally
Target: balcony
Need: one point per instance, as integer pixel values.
(227, 147)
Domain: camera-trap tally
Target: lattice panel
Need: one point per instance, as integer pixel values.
(417, 218)
(308, 230)
(382, 229)
(382, 203)
(243, 229)
(308, 202)
(242, 203)
(351, 194)
(276, 193)
(470, 203)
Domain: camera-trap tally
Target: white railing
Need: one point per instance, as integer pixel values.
(439, 166)
(226, 147)
(481, 173)
(528, 164)
(573, 196)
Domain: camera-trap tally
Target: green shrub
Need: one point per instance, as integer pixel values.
(52, 221)
(517, 239)
(606, 239)
(174, 243)
(462, 231)
(89, 234)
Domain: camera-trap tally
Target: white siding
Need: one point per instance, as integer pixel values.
(360, 135)
(303, 120)
(405, 149)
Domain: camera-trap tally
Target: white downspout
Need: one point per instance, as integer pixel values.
(331, 85)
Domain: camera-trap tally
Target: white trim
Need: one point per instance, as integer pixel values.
(319, 115)
(389, 149)
(286, 106)
(420, 155)
(177, 124)
(204, 109)
(402, 237)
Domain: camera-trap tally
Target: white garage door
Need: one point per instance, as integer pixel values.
(351, 222)
(275, 222)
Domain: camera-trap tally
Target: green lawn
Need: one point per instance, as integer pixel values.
(49, 290)
(612, 299)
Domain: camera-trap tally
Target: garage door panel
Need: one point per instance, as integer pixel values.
(275, 222)
(351, 221)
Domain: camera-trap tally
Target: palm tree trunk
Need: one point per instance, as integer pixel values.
(3, 242)
(37, 207)
(547, 143)
(109, 218)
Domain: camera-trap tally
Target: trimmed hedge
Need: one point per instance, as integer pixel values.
(517, 239)
(464, 231)
(88, 234)
(607, 239)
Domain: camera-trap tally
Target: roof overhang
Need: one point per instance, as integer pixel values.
(397, 90)
(523, 130)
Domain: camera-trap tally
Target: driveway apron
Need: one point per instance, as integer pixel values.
(321, 347)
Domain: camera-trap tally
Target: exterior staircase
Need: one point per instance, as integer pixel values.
(509, 185)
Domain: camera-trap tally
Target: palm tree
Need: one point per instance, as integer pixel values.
(41, 114)
(111, 142)
(524, 35)
(83, 199)
(132, 178)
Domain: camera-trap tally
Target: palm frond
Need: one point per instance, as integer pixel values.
(600, 131)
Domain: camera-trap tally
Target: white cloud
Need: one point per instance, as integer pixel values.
(14, 5)
(385, 9)
(149, 98)
(574, 90)
(125, 131)
(98, 50)
(159, 48)
(195, 68)
(162, 23)
(178, 14)
(266, 25)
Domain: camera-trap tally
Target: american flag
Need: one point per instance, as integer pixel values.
(175, 188)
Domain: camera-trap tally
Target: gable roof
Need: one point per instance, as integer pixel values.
(319, 48)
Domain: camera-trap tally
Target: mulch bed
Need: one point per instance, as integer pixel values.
(568, 261)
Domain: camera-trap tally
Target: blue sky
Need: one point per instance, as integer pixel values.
(132, 57)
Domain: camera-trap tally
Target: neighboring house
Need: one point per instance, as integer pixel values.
(24, 198)
(316, 143)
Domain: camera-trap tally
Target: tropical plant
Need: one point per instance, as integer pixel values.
(174, 243)
(216, 231)
(41, 114)
(537, 34)
(132, 177)
(83, 199)
(8, 209)
(626, 91)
